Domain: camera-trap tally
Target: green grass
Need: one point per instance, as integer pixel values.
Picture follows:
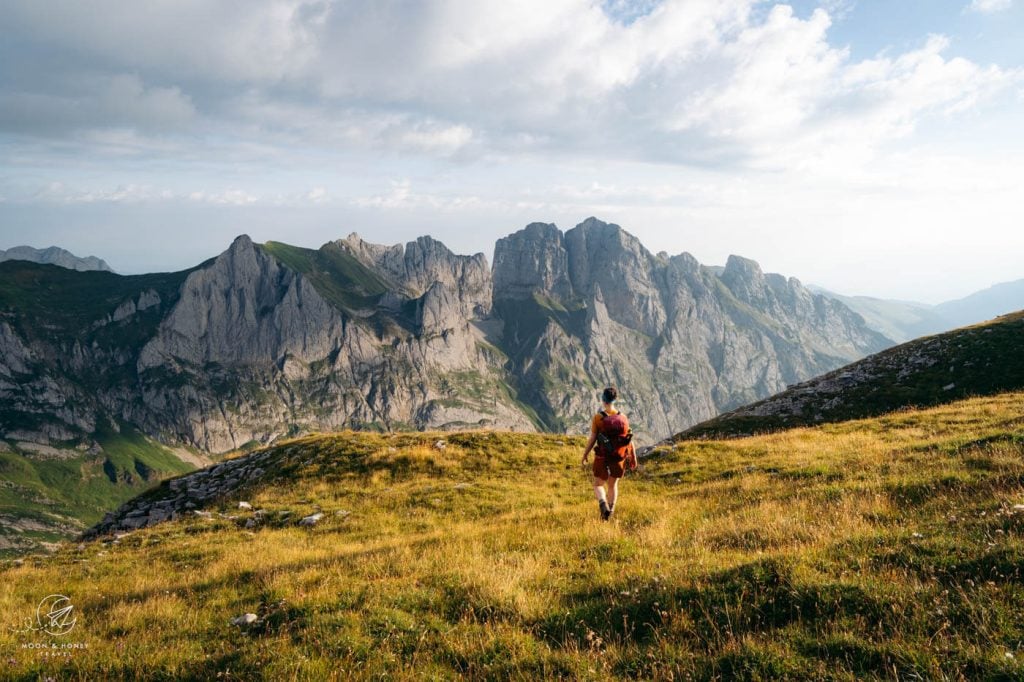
(337, 275)
(67, 495)
(130, 451)
(526, 321)
(889, 548)
(70, 301)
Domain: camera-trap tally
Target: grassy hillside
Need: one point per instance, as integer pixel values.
(984, 359)
(48, 299)
(337, 275)
(886, 548)
(46, 498)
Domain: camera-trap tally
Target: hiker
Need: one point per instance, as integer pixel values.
(611, 441)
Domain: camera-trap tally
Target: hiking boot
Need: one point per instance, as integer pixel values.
(605, 511)
(611, 512)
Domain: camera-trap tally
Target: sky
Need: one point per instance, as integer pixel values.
(868, 146)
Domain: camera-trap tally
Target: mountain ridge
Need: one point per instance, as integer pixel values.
(54, 255)
(268, 340)
(978, 360)
(906, 320)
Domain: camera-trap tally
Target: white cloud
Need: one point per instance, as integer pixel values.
(989, 6)
(686, 81)
(401, 196)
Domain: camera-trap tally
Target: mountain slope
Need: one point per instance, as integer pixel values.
(830, 553)
(898, 320)
(269, 341)
(272, 340)
(593, 307)
(904, 320)
(1000, 299)
(981, 360)
(54, 256)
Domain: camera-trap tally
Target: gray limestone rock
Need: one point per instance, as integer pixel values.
(258, 344)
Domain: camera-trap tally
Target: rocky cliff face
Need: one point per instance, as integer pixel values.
(594, 307)
(980, 360)
(271, 340)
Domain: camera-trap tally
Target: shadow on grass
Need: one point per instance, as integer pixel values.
(753, 598)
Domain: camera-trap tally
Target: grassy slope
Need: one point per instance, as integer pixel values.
(984, 359)
(68, 302)
(67, 495)
(337, 275)
(887, 548)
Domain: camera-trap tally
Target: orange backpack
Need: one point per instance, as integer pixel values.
(614, 436)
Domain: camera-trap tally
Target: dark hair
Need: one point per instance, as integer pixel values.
(609, 395)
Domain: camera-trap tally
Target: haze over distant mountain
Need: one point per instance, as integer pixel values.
(905, 320)
(898, 320)
(997, 300)
(54, 256)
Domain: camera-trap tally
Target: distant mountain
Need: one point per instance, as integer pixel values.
(54, 256)
(903, 320)
(271, 340)
(984, 305)
(979, 360)
(899, 320)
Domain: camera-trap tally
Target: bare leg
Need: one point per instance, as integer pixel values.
(613, 491)
(602, 499)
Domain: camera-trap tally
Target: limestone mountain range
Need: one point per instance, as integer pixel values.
(270, 340)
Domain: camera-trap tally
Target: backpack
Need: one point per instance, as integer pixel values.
(614, 436)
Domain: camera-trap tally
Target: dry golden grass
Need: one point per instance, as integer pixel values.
(887, 548)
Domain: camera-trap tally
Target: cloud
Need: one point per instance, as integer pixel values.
(989, 6)
(719, 83)
(401, 196)
(96, 101)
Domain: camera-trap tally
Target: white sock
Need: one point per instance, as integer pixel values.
(600, 494)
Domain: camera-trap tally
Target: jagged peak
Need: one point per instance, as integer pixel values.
(539, 230)
(240, 245)
(686, 260)
(738, 265)
(595, 225)
(242, 241)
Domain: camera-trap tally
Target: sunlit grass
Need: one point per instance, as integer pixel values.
(887, 548)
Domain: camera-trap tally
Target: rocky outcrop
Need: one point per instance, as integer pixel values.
(55, 256)
(189, 494)
(421, 265)
(264, 354)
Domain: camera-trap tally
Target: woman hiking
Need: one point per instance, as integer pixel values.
(611, 441)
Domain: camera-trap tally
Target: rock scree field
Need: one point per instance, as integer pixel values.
(887, 548)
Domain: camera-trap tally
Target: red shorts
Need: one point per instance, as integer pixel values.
(603, 468)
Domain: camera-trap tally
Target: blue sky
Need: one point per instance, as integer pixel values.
(871, 147)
